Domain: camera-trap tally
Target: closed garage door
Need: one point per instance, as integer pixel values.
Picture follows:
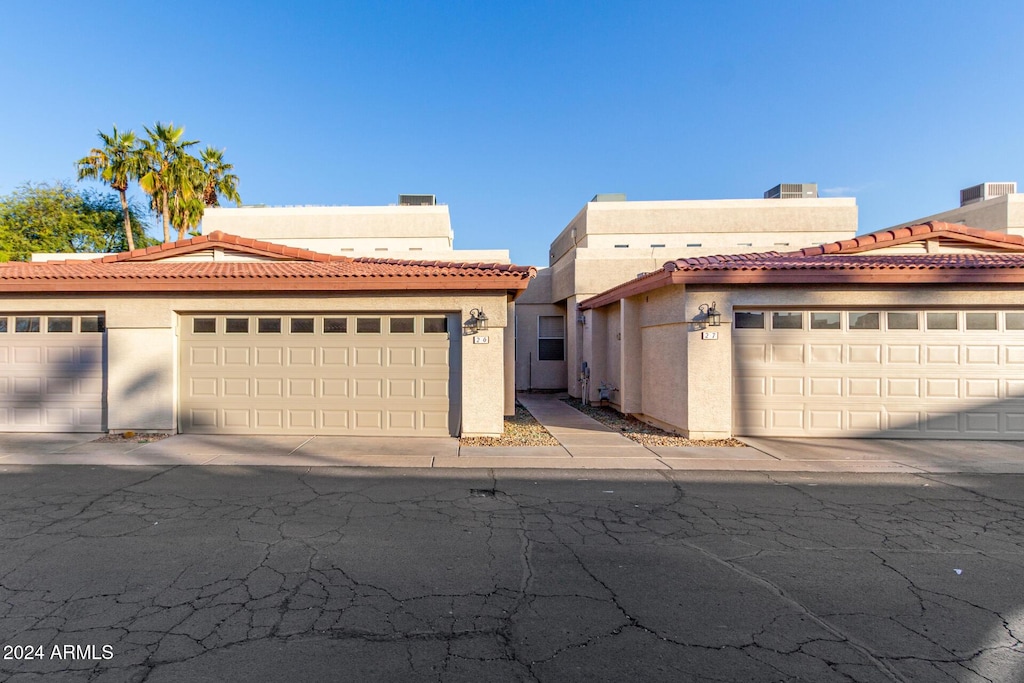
(357, 374)
(893, 374)
(52, 373)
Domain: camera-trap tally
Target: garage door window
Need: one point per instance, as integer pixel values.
(901, 320)
(367, 325)
(204, 326)
(940, 321)
(862, 321)
(302, 325)
(787, 320)
(59, 324)
(268, 325)
(1015, 321)
(26, 324)
(981, 321)
(402, 325)
(825, 321)
(749, 320)
(551, 337)
(237, 325)
(92, 323)
(335, 325)
(435, 325)
(3, 325)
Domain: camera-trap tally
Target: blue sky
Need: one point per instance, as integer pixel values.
(515, 114)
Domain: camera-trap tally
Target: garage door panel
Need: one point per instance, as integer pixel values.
(269, 356)
(236, 387)
(301, 356)
(402, 357)
(301, 388)
(825, 419)
(236, 356)
(368, 357)
(402, 388)
(60, 355)
(903, 421)
(925, 383)
(28, 355)
(983, 355)
(942, 355)
(981, 388)
(203, 355)
(340, 380)
(236, 417)
(270, 387)
(903, 388)
(864, 387)
(826, 353)
(978, 423)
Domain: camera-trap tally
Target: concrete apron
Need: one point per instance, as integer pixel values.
(579, 449)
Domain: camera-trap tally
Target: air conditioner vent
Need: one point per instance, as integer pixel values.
(793, 191)
(979, 193)
(417, 200)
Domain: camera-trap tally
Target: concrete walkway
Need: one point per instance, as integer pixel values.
(584, 443)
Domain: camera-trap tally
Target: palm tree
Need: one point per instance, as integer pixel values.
(168, 169)
(220, 181)
(116, 163)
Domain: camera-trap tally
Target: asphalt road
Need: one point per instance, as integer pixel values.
(329, 574)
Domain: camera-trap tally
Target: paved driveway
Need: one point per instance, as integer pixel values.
(305, 574)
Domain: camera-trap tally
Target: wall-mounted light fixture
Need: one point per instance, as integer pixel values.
(477, 321)
(710, 314)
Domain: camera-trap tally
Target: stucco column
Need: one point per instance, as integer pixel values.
(709, 366)
(596, 350)
(631, 357)
(510, 359)
(140, 379)
(573, 347)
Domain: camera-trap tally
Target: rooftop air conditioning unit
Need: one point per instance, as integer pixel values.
(417, 200)
(793, 191)
(980, 193)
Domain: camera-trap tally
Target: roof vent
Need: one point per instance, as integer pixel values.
(980, 193)
(417, 200)
(793, 191)
(609, 197)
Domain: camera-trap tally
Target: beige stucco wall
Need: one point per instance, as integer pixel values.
(142, 345)
(1000, 214)
(585, 259)
(405, 232)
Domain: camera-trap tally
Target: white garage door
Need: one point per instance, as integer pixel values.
(357, 374)
(893, 374)
(52, 373)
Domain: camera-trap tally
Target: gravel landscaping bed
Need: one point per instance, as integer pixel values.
(520, 430)
(131, 437)
(641, 432)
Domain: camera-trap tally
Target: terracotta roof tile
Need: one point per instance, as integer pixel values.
(296, 269)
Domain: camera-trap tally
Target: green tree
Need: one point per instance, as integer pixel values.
(220, 181)
(64, 219)
(116, 163)
(170, 172)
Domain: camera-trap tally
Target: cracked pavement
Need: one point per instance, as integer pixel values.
(304, 574)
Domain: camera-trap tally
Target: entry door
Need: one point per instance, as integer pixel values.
(276, 373)
(52, 373)
(871, 373)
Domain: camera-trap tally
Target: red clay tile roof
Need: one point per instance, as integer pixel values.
(914, 233)
(143, 270)
(845, 262)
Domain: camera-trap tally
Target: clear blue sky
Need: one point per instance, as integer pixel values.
(516, 113)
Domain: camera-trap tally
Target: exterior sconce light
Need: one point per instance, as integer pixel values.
(711, 314)
(477, 320)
